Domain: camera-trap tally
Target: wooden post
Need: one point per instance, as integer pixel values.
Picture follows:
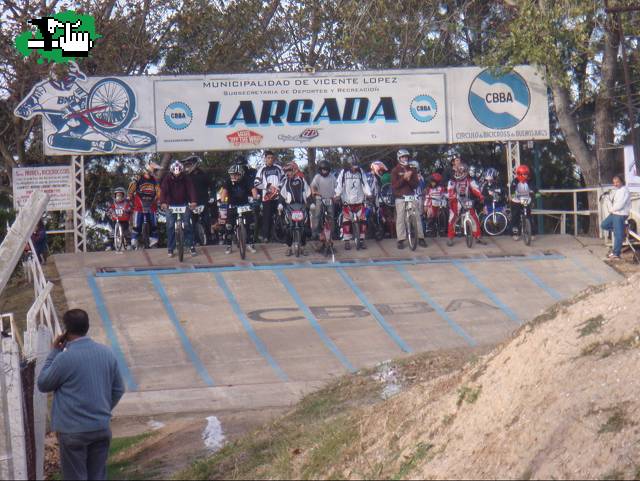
(13, 384)
(37, 347)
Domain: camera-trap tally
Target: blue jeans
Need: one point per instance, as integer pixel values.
(84, 455)
(171, 230)
(616, 224)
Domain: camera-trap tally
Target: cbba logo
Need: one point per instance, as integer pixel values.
(178, 115)
(424, 108)
(499, 102)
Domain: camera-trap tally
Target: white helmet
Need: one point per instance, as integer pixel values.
(176, 168)
(403, 153)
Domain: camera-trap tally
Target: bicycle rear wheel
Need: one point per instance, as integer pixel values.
(526, 231)
(468, 232)
(180, 239)
(200, 234)
(242, 240)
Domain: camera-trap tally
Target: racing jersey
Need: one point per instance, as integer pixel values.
(295, 190)
(352, 186)
(267, 177)
(238, 193)
(522, 189)
(465, 189)
(145, 194)
(120, 211)
(435, 195)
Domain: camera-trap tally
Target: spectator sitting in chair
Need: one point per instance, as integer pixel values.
(620, 207)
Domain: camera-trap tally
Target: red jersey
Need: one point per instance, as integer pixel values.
(120, 211)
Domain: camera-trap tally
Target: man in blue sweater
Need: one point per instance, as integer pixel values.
(86, 382)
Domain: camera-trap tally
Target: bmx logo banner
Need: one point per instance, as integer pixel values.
(84, 116)
(113, 115)
(59, 38)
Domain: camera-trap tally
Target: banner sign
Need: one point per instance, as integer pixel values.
(54, 180)
(631, 175)
(286, 110)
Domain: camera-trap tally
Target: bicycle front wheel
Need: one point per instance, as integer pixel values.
(118, 237)
(495, 223)
(468, 232)
(412, 232)
(526, 231)
(242, 240)
(180, 239)
(296, 242)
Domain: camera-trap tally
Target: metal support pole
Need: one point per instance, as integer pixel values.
(538, 174)
(513, 161)
(79, 227)
(575, 216)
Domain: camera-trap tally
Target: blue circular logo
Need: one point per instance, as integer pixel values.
(499, 102)
(424, 108)
(178, 115)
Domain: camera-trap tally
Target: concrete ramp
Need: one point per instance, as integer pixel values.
(215, 333)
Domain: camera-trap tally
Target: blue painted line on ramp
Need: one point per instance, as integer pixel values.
(540, 283)
(260, 346)
(314, 322)
(329, 265)
(591, 274)
(487, 292)
(184, 339)
(374, 312)
(436, 307)
(111, 335)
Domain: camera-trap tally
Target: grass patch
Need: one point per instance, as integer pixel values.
(124, 468)
(591, 326)
(468, 394)
(448, 419)
(615, 422)
(421, 452)
(612, 475)
(331, 446)
(607, 348)
(561, 306)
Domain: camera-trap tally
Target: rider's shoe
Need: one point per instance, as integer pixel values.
(193, 251)
(361, 244)
(108, 248)
(170, 253)
(251, 248)
(289, 252)
(400, 244)
(153, 242)
(449, 242)
(227, 250)
(481, 241)
(422, 242)
(134, 243)
(515, 237)
(347, 245)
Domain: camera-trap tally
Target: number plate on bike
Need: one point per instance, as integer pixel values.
(410, 198)
(524, 200)
(438, 202)
(199, 209)
(244, 208)
(178, 209)
(297, 215)
(468, 204)
(119, 212)
(327, 202)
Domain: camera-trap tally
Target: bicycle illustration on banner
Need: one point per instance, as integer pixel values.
(93, 121)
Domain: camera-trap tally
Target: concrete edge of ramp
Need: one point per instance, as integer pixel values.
(223, 398)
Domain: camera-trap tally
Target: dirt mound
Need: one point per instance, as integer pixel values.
(560, 400)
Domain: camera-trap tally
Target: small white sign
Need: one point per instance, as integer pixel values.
(54, 180)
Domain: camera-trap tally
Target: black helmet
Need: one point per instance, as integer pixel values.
(236, 169)
(241, 160)
(324, 165)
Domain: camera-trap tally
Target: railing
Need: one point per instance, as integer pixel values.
(562, 214)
